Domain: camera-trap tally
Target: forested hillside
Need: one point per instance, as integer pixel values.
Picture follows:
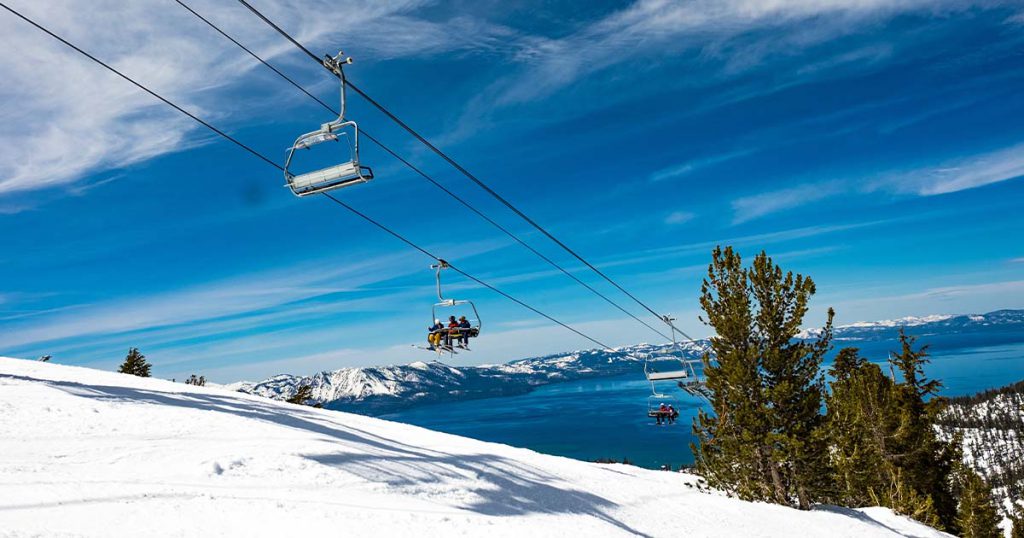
(992, 426)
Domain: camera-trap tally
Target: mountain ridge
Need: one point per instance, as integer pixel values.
(383, 389)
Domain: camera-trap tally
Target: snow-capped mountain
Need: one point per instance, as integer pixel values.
(93, 453)
(381, 389)
(998, 321)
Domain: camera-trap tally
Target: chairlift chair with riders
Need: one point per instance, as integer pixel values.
(439, 311)
(685, 375)
(345, 174)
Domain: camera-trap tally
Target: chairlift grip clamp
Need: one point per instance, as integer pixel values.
(335, 63)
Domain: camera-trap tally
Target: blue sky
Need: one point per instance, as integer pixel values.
(877, 146)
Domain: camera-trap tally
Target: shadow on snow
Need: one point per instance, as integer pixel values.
(498, 486)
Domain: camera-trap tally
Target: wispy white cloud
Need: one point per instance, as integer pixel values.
(752, 207)
(65, 117)
(54, 133)
(687, 167)
(646, 257)
(235, 296)
(758, 241)
(709, 42)
(949, 176)
(679, 217)
(287, 295)
(669, 26)
(957, 174)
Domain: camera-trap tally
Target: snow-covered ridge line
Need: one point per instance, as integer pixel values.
(945, 322)
(909, 321)
(380, 389)
(94, 453)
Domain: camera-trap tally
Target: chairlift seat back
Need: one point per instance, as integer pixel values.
(664, 376)
(330, 178)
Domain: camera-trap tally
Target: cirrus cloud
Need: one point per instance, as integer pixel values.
(65, 117)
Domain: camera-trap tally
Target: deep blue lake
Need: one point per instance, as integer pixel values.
(607, 417)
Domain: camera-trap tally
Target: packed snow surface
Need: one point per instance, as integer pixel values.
(91, 453)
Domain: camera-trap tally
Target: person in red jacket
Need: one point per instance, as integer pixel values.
(453, 330)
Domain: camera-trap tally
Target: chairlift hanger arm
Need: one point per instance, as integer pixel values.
(437, 267)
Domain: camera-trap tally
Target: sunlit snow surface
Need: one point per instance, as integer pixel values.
(91, 453)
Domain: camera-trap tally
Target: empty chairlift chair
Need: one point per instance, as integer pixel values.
(340, 131)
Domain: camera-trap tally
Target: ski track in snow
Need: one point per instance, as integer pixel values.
(92, 453)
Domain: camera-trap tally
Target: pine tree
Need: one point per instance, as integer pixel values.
(884, 448)
(135, 364)
(303, 393)
(302, 396)
(861, 426)
(764, 441)
(794, 386)
(903, 498)
(977, 514)
(926, 462)
(1017, 522)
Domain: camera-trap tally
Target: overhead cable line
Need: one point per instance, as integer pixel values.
(275, 165)
(423, 174)
(461, 272)
(663, 318)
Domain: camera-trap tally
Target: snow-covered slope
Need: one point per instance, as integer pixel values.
(91, 453)
(991, 425)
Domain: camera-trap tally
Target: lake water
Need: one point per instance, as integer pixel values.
(607, 417)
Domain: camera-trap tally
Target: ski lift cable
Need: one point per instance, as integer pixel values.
(261, 60)
(427, 177)
(277, 166)
(464, 171)
(461, 272)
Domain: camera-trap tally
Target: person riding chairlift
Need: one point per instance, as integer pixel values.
(465, 326)
(453, 330)
(666, 414)
(434, 337)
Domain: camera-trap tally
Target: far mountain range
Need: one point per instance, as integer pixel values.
(377, 390)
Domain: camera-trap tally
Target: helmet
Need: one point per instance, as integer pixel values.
(437, 321)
